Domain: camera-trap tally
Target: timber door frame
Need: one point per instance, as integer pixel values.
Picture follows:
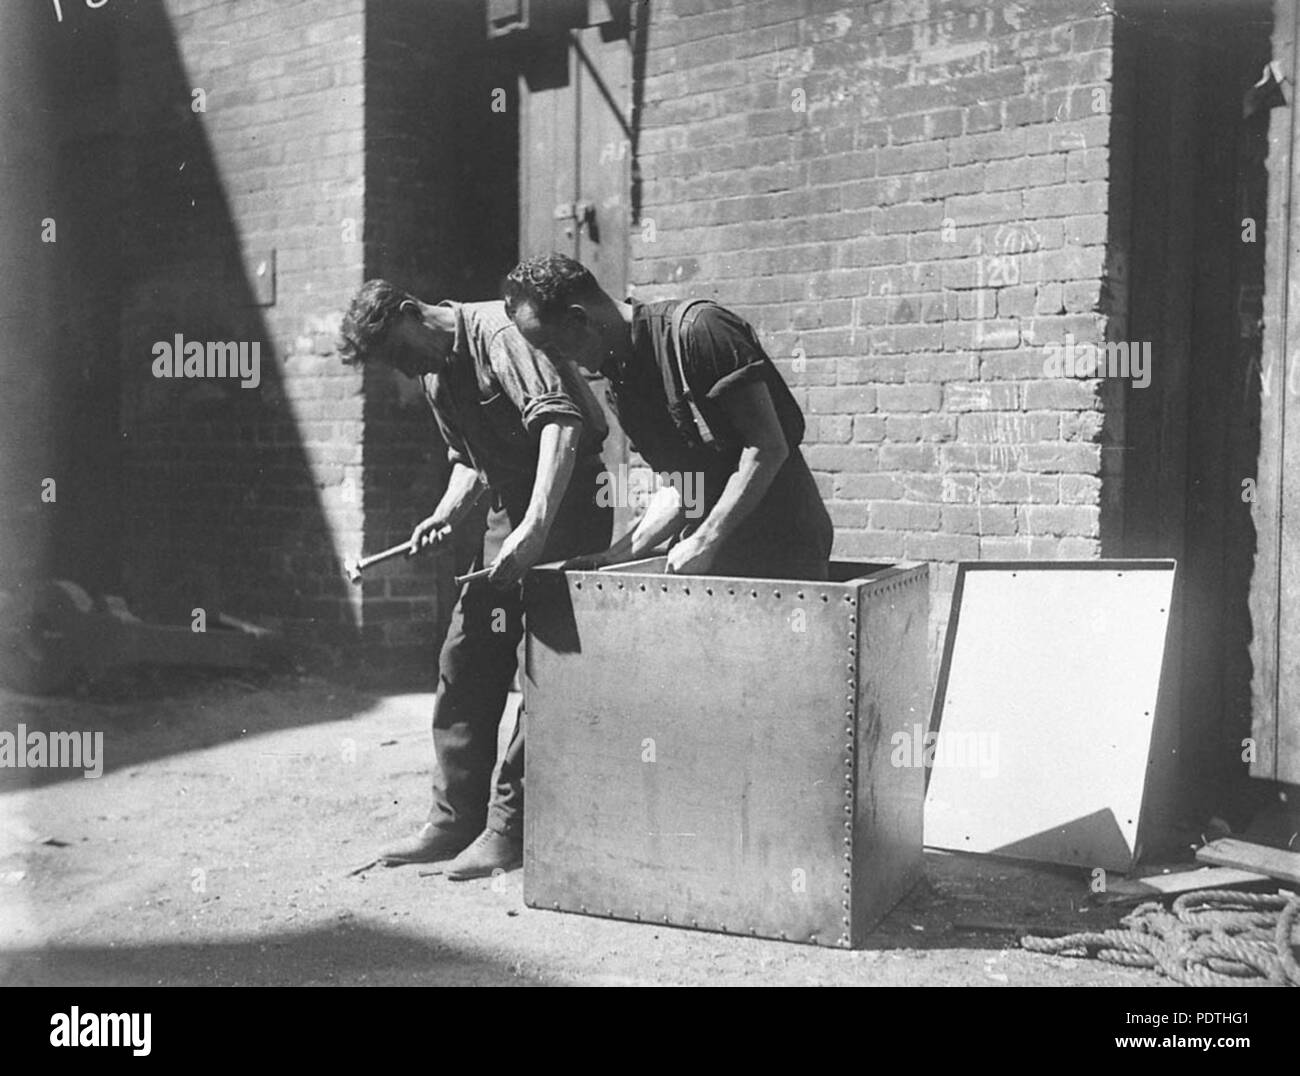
(1275, 646)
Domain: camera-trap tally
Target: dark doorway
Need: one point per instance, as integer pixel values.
(1194, 221)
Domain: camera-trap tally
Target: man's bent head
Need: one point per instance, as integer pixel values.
(386, 324)
(559, 308)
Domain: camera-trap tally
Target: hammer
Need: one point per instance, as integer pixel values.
(355, 567)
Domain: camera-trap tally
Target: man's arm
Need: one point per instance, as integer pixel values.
(764, 450)
(464, 487)
(663, 516)
(556, 455)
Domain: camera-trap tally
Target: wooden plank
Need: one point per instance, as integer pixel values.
(1164, 885)
(1287, 726)
(547, 154)
(602, 78)
(1275, 862)
(1265, 603)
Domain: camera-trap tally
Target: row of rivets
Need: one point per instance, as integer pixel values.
(850, 716)
(723, 928)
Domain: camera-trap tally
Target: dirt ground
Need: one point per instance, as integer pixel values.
(217, 848)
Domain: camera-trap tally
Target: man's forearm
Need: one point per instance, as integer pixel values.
(745, 488)
(663, 516)
(464, 487)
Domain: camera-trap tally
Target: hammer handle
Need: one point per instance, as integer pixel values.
(375, 558)
(482, 573)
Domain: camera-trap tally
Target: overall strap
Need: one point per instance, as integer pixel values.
(675, 397)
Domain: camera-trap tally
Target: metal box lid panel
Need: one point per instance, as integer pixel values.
(1046, 716)
(687, 760)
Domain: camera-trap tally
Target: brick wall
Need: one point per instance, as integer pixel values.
(244, 499)
(910, 202)
(231, 173)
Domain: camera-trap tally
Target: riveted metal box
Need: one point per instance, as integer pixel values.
(715, 752)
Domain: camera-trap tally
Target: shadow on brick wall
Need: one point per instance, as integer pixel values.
(186, 492)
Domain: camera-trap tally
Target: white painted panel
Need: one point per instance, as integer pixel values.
(1047, 717)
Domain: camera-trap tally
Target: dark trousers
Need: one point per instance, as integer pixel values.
(478, 663)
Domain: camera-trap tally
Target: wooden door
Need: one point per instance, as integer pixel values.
(576, 157)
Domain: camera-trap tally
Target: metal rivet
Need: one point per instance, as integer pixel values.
(664, 589)
(643, 586)
(753, 593)
(686, 590)
(731, 592)
(848, 840)
(848, 808)
(825, 598)
(799, 595)
(600, 586)
(776, 593)
(578, 586)
(708, 591)
(556, 905)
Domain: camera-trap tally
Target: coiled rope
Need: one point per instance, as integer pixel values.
(1212, 937)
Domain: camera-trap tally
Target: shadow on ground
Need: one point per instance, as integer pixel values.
(151, 714)
(353, 952)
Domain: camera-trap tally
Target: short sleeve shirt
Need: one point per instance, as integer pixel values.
(496, 393)
(790, 526)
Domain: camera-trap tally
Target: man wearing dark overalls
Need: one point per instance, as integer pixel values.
(530, 434)
(696, 394)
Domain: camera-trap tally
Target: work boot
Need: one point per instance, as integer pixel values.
(431, 844)
(490, 852)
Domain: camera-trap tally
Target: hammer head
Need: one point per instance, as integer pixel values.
(353, 569)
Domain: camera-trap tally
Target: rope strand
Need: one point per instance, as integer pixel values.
(1212, 937)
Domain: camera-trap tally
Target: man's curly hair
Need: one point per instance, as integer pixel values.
(549, 282)
(371, 314)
